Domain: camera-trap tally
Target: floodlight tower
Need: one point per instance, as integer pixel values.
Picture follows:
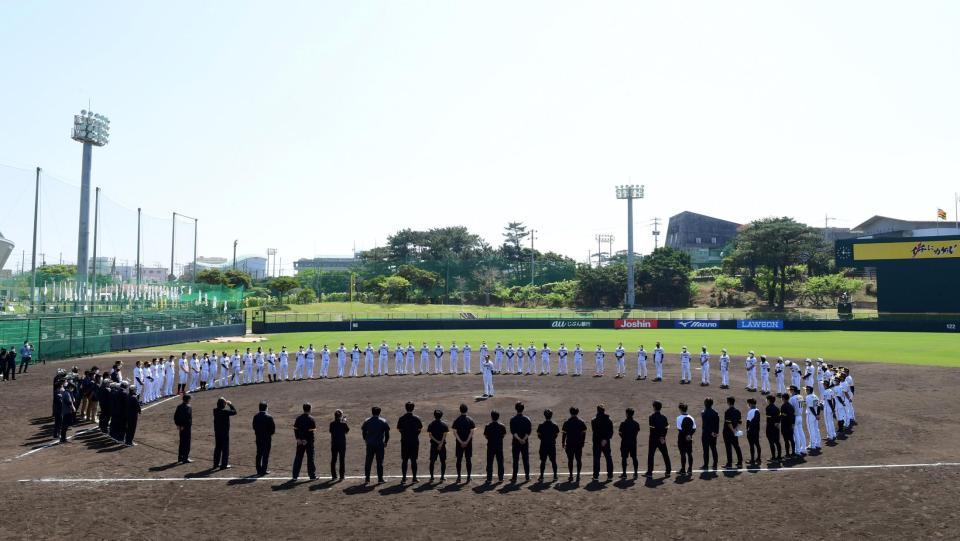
(630, 192)
(91, 130)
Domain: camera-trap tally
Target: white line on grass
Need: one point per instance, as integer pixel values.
(659, 472)
(80, 433)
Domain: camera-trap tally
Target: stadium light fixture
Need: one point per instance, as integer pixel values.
(91, 129)
(630, 192)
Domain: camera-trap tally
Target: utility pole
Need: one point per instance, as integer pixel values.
(533, 257)
(601, 238)
(656, 232)
(33, 265)
(826, 225)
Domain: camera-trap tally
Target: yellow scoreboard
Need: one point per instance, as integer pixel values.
(919, 249)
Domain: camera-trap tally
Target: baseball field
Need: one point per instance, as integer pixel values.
(893, 476)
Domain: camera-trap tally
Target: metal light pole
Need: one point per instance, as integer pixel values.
(33, 265)
(195, 223)
(235, 254)
(91, 130)
(173, 244)
(630, 192)
(137, 269)
(533, 257)
(96, 223)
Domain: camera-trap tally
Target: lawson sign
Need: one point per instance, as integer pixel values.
(696, 324)
(760, 324)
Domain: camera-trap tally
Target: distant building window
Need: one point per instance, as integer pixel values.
(698, 240)
(713, 240)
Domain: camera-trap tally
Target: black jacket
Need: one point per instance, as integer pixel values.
(602, 427)
(183, 416)
(221, 418)
(133, 407)
(709, 422)
(263, 425)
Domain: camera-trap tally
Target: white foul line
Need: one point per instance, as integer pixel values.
(80, 433)
(479, 477)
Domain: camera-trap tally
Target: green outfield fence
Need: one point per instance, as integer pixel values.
(57, 337)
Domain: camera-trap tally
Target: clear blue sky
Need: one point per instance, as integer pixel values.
(308, 126)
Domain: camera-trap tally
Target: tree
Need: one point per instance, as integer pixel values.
(664, 278)
(512, 248)
(55, 273)
(306, 296)
(238, 278)
(282, 285)
(391, 288)
(212, 276)
(602, 286)
(776, 243)
(488, 281)
(423, 280)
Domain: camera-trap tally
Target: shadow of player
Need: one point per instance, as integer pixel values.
(359, 489)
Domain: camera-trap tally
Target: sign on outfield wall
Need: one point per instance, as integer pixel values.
(575, 324)
(635, 324)
(760, 324)
(696, 324)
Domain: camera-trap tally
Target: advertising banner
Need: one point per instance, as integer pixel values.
(760, 324)
(635, 324)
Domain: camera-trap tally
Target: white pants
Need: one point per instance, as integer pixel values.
(641, 368)
(194, 381)
(411, 367)
(659, 366)
(577, 366)
(259, 373)
(752, 378)
(531, 363)
(520, 359)
(509, 364)
(466, 363)
(705, 373)
(169, 382)
(725, 377)
(424, 363)
(438, 364)
(453, 363)
(829, 421)
(309, 369)
(621, 367)
(765, 381)
(780, 387)
(298, 370)
(354, 366)
(398, 364)
(488, 384)
(249, 373)
(284, 370)
(813, 427)
(498, 364)
(685, 373)
(383, 368)
(368, 366)
(599, 369)
(562, 365)
(545, 364)
(341, 364)
(324, 368)
(799, 438)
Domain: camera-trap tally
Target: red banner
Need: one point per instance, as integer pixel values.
(635, 324)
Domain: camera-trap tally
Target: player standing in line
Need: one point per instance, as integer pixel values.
(247, 367)
(598, 357)
(311, 355)
(272, 366)
(685, 374)
(485, 352)
(751, 366)
(438, 359)
(846, 385)
(562, 360)
(454, 358)
(764, 375)
(486, 368)
(531, 358)
(368, 360)
(183, 374)
(510, 353)
(818, 377)
(658, 362)
(411, 367)
(383, 358)
(724, 369)
(498, 353)
(341, 360)
(194, 373)
(237, 366)
(284, 364)
(324, 363)
(704, 367)
(399, 360)
(212, 370)
(829, 406)
(641, 363)
(799, 407)
(619, 354)
(298, 366)
(466, 358)
(813, 419)
(778, 373)
(577, 361)
(168, 376)
(355, 361)
(545, 360)
(424, 359)
(808, 374)
(794, 373)
(258, 377)
(137, 379)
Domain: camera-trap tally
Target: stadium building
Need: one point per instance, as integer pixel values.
(328, 264)
(703, 237)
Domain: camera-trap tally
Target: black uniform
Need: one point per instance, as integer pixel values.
(65, 412)
(602, 428)
(773, 431)
(710, 425)
(629, 429)
(409, 427)
(520, 427)
(118, 413)
(438, 431)
(547, 432)
(685, 442)
(787, 412)
(183, 418)
(376, 433)
(574, 436)
(303, 428)
(132, 415)
(753, 436)
(658, 441)
(338, 447)
(11, 361)
(221, 435)
(731, 420)
(263, 429)
(463, 426)
(494, 432)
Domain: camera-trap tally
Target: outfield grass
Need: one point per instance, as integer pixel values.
(935, 349)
